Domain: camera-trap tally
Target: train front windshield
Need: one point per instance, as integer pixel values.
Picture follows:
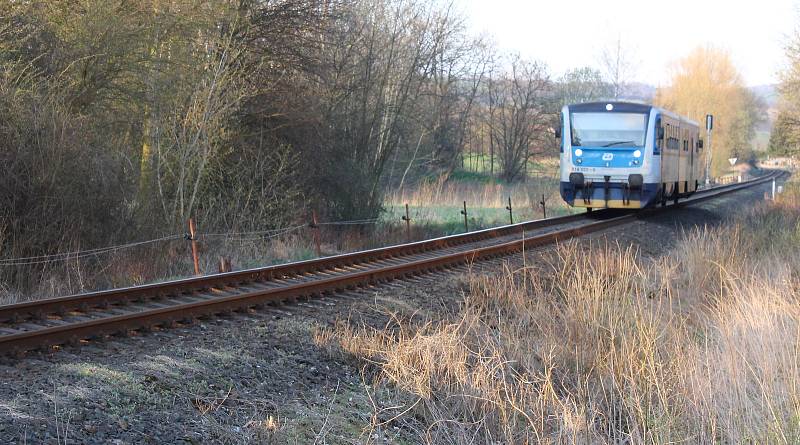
(608, 129)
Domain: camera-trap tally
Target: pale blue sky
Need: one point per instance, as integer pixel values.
(571, 33)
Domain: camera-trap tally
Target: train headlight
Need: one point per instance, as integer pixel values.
(637, 154)
(579, 152)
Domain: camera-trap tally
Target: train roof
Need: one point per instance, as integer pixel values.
(618, 107)
(626, 107)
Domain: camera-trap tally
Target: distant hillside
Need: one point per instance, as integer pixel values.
(640, 92)
(767, 93)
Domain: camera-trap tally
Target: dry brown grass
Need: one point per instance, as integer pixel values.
(605, 346)
(443, 193)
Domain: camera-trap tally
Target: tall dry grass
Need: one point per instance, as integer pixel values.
(440, 201)
(442, 192)
(602, 345)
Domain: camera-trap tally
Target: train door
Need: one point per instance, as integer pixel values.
(670, 157)
(682, 160)
(691, 184)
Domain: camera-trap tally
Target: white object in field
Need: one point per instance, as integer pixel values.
(733, 161)
(780, 189)
(739, 178)
(773, 190)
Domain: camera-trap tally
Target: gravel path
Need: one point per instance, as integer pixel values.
(255, 378)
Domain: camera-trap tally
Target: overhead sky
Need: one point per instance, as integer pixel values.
(572, 33)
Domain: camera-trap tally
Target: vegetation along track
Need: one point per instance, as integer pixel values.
(44, 323)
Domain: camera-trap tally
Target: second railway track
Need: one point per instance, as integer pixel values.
(45, 323)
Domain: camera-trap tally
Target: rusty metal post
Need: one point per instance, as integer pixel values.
(407, 219)
(510, 211)
(543, 203)
(315, 227)
(464, 212)
(193, 239)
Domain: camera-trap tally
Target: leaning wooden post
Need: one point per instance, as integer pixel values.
(543, 202)
(464, 212)
(315, 227)
(407, 219)
(225, 264)
(193, 239)
(510, 211)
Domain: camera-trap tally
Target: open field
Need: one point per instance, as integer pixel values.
(439, 203)
(609, 346)
(481, 164)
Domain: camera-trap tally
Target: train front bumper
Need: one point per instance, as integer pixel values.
(630, 194)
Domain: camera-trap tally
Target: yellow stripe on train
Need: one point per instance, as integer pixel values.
(610, 204)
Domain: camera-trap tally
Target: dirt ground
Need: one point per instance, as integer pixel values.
(261, 377)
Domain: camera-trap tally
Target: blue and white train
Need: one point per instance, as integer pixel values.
(627, 155)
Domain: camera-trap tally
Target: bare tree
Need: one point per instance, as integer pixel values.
(519, 114)
(583, 85)
(458, 73)
(374, 77)
(619, 65)
(195, 131)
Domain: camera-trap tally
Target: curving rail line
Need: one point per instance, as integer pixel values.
(43, 323)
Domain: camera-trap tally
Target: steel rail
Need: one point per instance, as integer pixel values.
(244, 297)
(39, 308)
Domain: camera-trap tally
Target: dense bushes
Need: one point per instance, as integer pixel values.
(58, 189)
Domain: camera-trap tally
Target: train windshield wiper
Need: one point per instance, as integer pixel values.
(619, 142)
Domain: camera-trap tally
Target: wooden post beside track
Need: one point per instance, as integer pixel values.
(510, 211)
(407, 219)
(315, 227)
(193, 239)
(464, 212)
(225, 264)
(543, 203)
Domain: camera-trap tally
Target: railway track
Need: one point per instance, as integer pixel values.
(68, 320)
